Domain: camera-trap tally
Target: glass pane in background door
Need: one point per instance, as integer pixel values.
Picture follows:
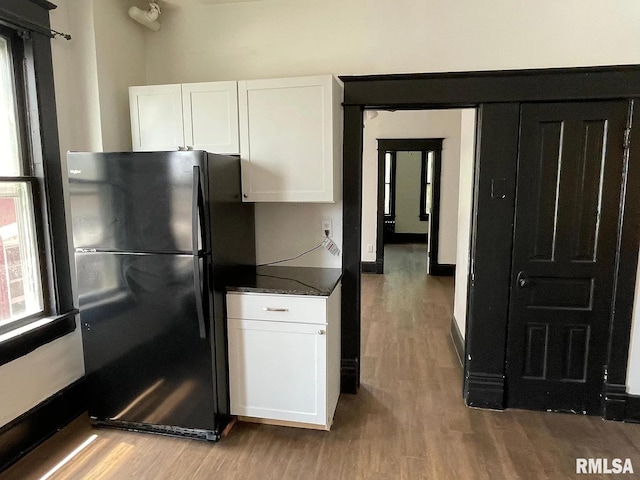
(9, 147)
(20, 283)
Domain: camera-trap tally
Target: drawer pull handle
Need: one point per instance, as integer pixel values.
(320, 332)
(272, 309)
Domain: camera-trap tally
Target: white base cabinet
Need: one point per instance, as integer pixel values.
(193, 116)
(284, 357)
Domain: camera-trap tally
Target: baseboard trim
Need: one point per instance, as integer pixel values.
(615, 402)
(442, 270)
(349, 375)
(632, 412)
(30, 429)
(484, 390)
(620, 405)
(372, 267)
(458, 341)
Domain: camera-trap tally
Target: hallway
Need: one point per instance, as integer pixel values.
(407, 422)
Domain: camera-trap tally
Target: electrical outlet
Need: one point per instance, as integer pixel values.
(326, 225)
(369, 248)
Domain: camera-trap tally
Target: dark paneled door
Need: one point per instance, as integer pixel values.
(570, 176)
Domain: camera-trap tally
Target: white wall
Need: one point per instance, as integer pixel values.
(30, 379)
(284, 230)
(465, 204)
(271, 38)
(76, 77)
(120, 57)
(408, 179)
(413, 124)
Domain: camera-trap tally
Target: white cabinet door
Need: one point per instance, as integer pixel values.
(277, 370)
(290, 139)
(211, 116)
(156, 117)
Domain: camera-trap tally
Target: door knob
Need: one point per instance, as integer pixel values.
(523, 281)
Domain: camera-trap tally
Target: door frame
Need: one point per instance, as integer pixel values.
(410, 145)
(497, 96)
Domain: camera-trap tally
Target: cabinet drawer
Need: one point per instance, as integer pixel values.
(277, 308)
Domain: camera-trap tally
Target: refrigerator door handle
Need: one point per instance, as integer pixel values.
(195, 229)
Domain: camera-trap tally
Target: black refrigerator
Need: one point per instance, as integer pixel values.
(155, 235)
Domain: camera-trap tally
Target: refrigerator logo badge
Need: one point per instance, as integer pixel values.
(75, 172)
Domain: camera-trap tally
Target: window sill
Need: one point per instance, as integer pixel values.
(26, 339)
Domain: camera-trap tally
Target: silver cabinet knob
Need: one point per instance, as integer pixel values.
(245, 195)
(321, 332)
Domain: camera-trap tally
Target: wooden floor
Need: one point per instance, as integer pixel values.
(407, 422)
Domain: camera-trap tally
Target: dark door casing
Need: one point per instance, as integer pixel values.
(569, 181)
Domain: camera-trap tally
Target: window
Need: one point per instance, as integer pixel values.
(21, 291)
(36, 297)
(389, 183)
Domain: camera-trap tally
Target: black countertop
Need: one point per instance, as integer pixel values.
(284, 280)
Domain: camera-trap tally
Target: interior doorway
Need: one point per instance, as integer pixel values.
(409, 200)
(498, 97)
(440, 199)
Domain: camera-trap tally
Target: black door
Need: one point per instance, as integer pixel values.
(570, 171)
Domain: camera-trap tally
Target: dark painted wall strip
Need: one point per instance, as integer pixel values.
(32, 428)
(453, 90)
(351, 244)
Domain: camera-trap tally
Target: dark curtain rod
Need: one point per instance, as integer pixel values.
(14, 21)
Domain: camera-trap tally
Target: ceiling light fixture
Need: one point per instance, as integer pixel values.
(148, 18)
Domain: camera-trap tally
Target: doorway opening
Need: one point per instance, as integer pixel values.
(409, 178)
(499, 97)
(417, 194)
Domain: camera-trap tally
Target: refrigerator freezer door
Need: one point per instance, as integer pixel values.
(134, 202)
(145, 359)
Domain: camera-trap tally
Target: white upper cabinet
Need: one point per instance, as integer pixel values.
(156, 117)
(291, 139)
(195, 116)
(211, 116)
